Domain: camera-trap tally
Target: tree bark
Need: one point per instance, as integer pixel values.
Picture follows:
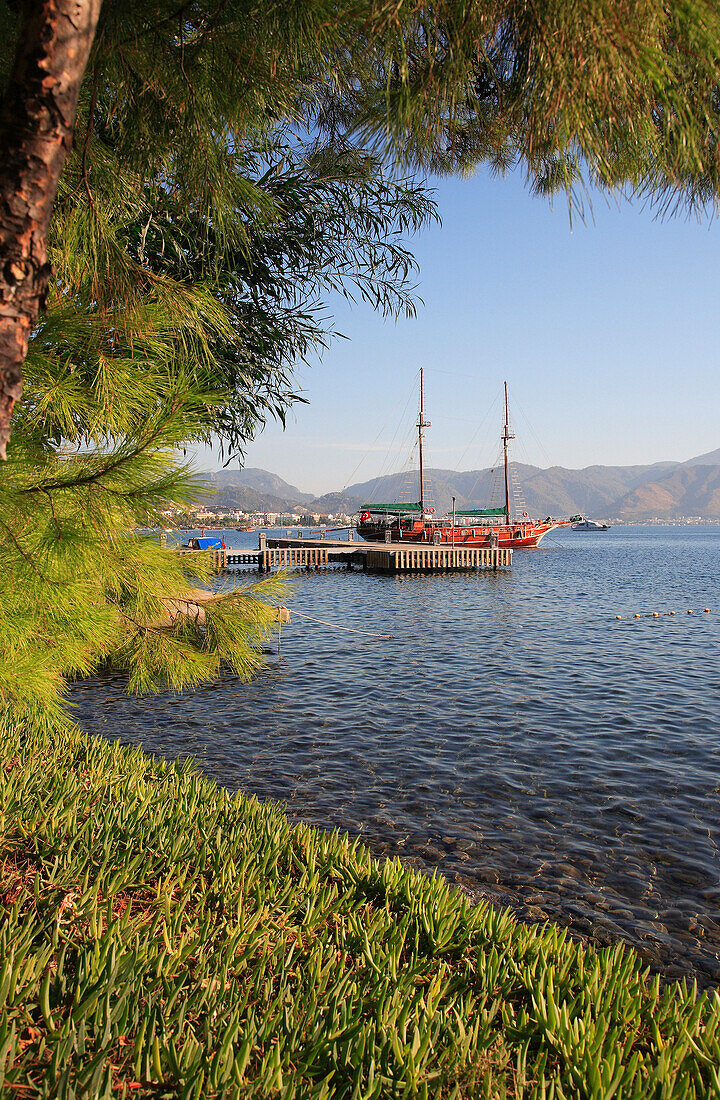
(37, 119)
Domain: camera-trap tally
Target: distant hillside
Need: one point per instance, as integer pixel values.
(664, 490)
(555, 492)
(261, 481)
(248, 500)
(712, 458)
(593, 491)
(245, 499)
(332, 503)
(471, 488)
(688, 490)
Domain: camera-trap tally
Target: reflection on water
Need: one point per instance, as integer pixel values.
(513, 733)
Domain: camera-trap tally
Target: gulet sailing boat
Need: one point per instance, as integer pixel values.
(413, 522)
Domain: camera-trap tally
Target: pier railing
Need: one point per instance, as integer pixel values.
(433, 559)
(301, 553)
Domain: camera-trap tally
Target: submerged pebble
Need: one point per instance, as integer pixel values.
(512, 734)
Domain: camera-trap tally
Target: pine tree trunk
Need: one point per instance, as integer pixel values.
(37, 118)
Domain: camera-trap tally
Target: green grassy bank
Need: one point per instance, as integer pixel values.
(161, 937)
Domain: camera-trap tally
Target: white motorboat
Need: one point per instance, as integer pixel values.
(589, 525)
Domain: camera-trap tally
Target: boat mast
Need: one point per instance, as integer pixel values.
(421, 425)
(507, 434)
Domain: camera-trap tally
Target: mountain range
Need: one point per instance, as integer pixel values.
(664, 490)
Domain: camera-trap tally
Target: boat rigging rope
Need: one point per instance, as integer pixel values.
(393, 416)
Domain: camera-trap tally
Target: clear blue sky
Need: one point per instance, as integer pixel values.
(607, 331)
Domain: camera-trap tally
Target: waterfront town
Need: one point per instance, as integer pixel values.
(249, 521)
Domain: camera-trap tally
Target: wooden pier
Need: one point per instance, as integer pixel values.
(396, 558)
(388, 557)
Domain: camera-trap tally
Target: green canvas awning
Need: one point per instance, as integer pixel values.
(393, 507)
(501, 511)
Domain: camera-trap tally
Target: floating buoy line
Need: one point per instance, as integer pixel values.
(284, 617)
(665, 614)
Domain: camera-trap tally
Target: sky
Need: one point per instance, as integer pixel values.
(607, 331)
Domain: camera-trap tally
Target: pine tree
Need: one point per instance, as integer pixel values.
(166, 324)
(231, 164)
(624, 93)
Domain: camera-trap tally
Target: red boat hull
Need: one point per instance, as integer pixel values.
(440, 533)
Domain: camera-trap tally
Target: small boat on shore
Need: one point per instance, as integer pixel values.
(205, 542)
(495, 526)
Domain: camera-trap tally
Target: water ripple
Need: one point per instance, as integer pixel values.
(513, 734)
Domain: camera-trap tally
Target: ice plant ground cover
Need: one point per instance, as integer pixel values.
(163, 937)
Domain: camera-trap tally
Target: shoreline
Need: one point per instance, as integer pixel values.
(160, 931)
(682, 945)
(665, 961)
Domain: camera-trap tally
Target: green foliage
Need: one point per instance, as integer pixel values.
(625, 89)
(85, 587)
(235, 292)
(233, 164)
(192, 248)
(620, 94)
(154, 338)
(162, 937)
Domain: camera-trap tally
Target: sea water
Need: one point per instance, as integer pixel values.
(513, 733)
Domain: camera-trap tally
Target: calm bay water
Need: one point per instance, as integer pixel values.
(513, 733)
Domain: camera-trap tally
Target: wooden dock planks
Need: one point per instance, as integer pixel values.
(435, 559)
(289, 557)
(374, 558)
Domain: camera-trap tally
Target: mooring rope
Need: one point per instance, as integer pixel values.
(339, 626)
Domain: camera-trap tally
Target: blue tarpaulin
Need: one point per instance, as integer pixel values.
(206, 542)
